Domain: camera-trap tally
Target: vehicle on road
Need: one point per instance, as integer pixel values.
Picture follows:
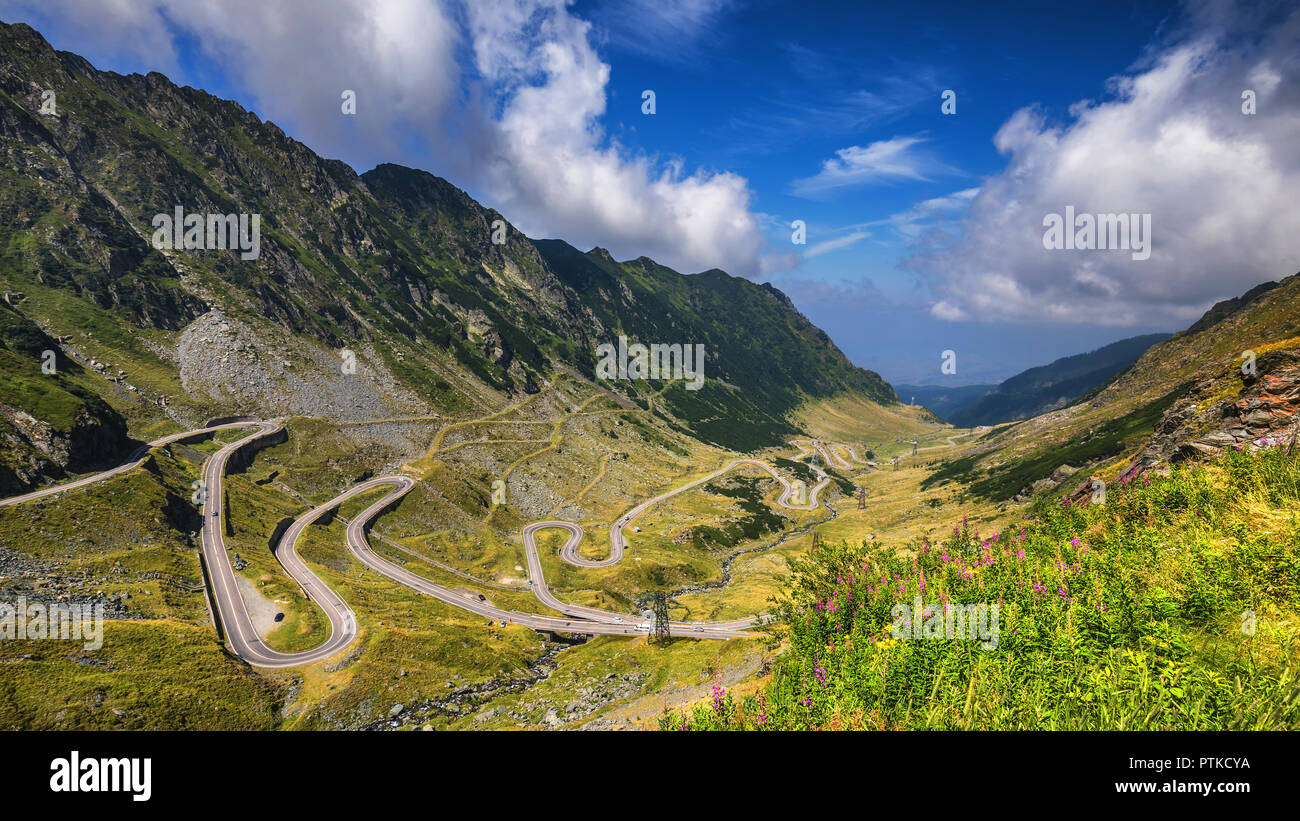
(698, 629)
(503, 622)
(618, 619)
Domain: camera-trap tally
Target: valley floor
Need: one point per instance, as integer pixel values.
(709, 546)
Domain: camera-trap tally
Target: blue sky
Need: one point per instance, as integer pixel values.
(923, 229)
(771, 91)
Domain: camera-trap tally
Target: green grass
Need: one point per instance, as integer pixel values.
(410, 644)
(149, 675)
(47, 398)
(626, 679)
(1127, 616)
(102, 334)
(757, 521)
(253, 521)
(800, 470)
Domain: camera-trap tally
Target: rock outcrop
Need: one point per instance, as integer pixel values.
(1214, 415)
(1263, 414)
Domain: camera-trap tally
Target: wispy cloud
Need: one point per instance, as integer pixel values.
(662, 29)
(823, 95)
(837, 244)
(927, 213)
(881, 161)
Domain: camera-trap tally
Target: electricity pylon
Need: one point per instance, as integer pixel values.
(661, 634)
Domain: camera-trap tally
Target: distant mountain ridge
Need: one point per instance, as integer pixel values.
(942, 400)
(1193, 394)
(1055, 385)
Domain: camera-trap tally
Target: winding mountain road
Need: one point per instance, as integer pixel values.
(247, 643)
(948, 439)
(244, 639)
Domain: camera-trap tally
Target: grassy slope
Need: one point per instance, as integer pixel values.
(149, 675)
(1124, 616)
(1105, 430)
(160, 668)
(855, 418)
(1059, 383)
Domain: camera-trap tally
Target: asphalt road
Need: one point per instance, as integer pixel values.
(618, 542)
(827, 453)
(246, 642)
(581, 620)
(244, 639)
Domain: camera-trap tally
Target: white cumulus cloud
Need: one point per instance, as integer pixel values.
(1171, 141)
(552, 170)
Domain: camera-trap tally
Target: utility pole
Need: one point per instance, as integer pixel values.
(862, 498)
(661, 635)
